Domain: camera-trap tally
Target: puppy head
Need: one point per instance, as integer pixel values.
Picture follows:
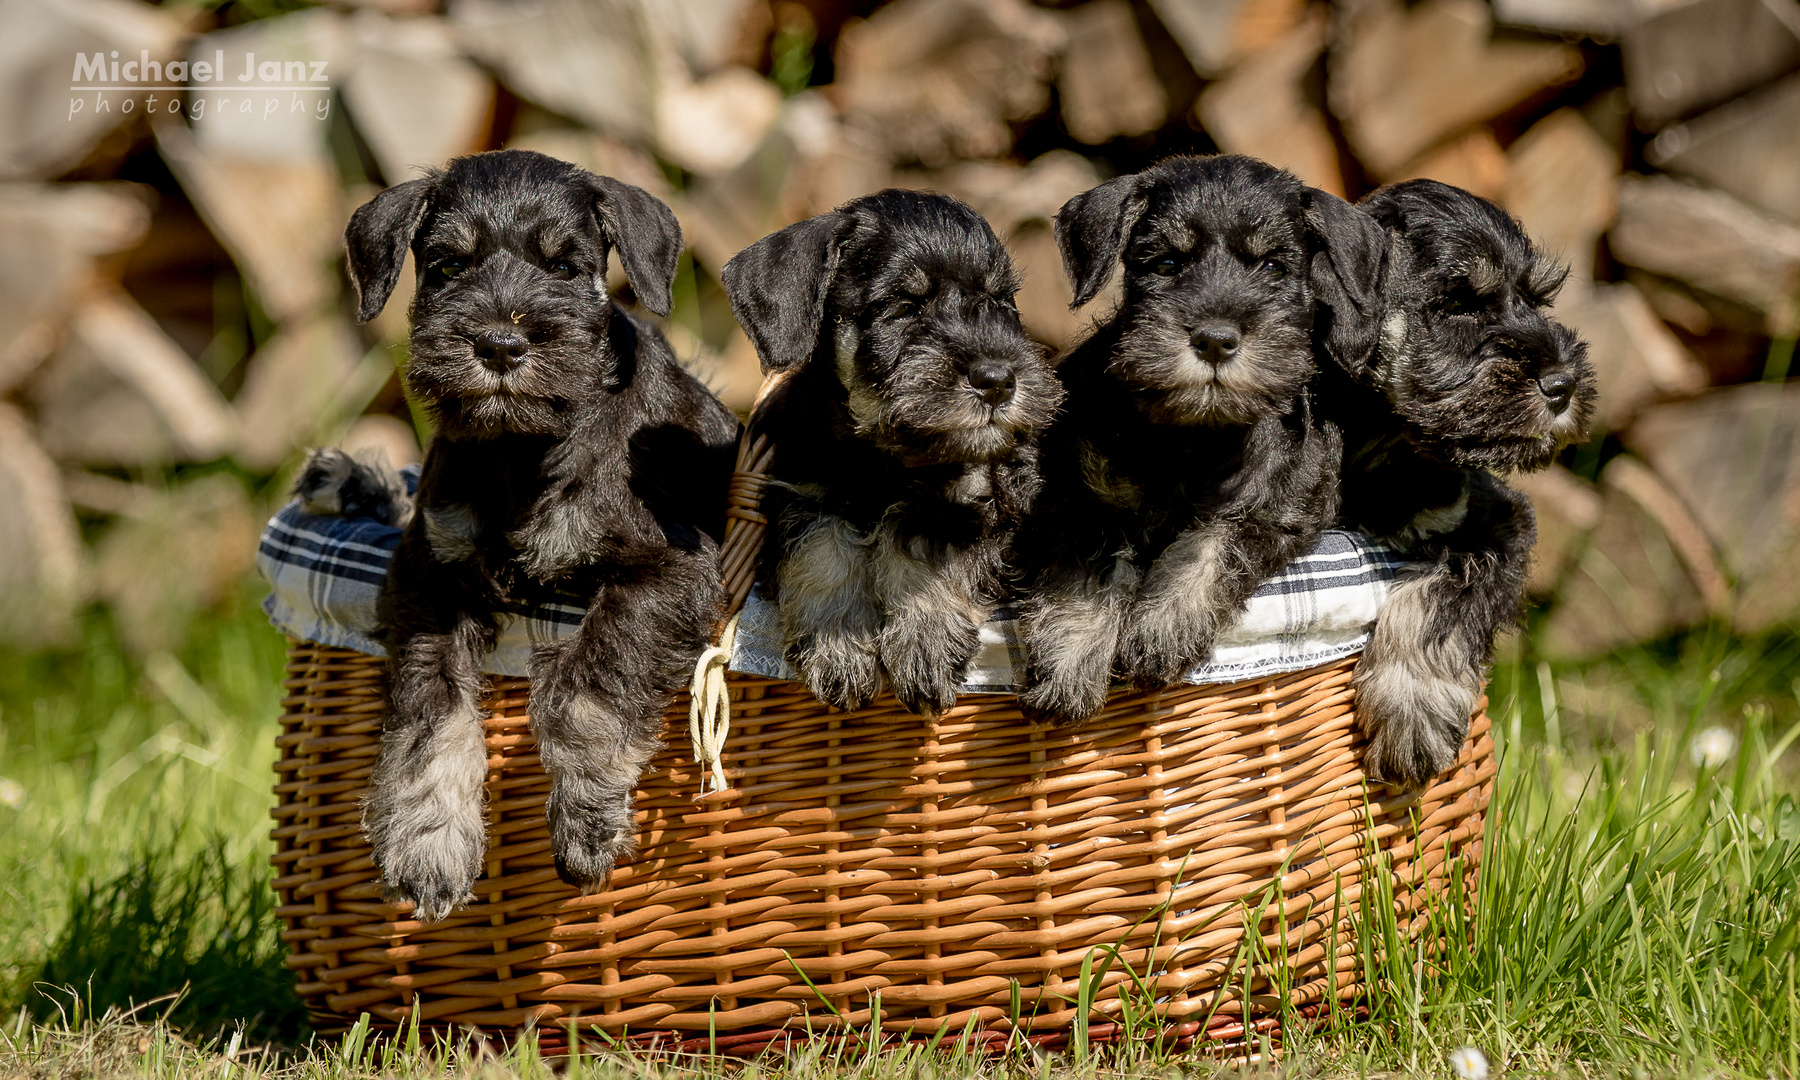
(1466, 353)
(1220, 256)
(908, 297)
(509, 322)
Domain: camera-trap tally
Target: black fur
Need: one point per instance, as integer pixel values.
(1189, 464)
(573, 457)
(1462, 373)
(904, 433)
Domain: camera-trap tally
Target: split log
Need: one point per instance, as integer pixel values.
(41, 557)
(295, 384)
(415, 99)
(1647, 571)
(1733, 457)
(244, 119)
(390, 437)
(1637, 361)
(120, 393)
(1216, 34)
(1562, 183)
(593, 60)
(1404, 79)
(1107, 84)
(1694, 56)
(1712, 241)
(1750, 148)
(1606, 19)
(712, 126)
(51, 235)
(1473, 161)
(49, 126)
(1261, 108)
(1568, 510)
(941, 79)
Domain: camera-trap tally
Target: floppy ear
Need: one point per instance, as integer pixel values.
(1347, 276)
(644, 231)
(1091, 230)
(377, 238)
(777, 287)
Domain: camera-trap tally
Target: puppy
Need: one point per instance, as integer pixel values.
(1446, 372)
(572, 457)
(1189, 464)
(903, 429)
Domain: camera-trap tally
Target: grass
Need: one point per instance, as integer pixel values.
(1639, 911)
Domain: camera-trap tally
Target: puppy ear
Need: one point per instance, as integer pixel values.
(644, 231)
(777, 287)
(377, 238)
(1091, 230)
(1346, 276)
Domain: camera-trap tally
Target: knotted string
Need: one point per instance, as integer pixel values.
(709, 710)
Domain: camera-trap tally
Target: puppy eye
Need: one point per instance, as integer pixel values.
(1166, 266)
(563, 268)
(449, 268)
(1275, 267)
(903, 309)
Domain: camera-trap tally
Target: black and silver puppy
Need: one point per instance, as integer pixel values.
(903, 428)
(1189, 464)
(572, 457)
(1446, 373)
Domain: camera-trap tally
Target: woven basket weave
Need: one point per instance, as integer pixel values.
(951, 873)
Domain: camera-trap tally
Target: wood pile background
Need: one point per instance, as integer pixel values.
(174, 321)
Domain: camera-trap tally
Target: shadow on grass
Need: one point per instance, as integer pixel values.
(194, 925)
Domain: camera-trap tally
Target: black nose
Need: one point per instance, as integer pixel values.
(1558, 387)
(993, 379)
(1216, 342)
(501, 349)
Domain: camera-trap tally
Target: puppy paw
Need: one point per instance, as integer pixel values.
(1063, 697)
(925, 666)
(1416, 718)
(1158, 647)
(433, 863)
(591, 830)
(334, 484)
(840, 673)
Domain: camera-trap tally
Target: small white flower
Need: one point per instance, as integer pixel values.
(1712, 748)
(1468, 1063)
(12, 793)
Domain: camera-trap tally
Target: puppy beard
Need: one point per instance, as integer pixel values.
(1176, 386)
(926, 413)
(566, 363)
(1473, 393)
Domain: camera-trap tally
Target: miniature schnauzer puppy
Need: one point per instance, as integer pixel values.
(1189, 464)
(904, 424)
(1448, 371)
(573, 457)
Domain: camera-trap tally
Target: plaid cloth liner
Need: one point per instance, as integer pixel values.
(325, 574)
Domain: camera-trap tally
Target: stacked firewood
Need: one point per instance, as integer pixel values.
(176, 323)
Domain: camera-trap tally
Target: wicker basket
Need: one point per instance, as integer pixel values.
(876, 867)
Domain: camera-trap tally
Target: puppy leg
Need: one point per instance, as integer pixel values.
(1071, 629)
(1420, 675)
(424, 813)
(830, 620)
(597, 700)
(935, 608)
(1198, 585)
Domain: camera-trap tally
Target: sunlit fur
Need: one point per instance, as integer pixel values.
(1181, 474)
(583, 466)
(897, 479)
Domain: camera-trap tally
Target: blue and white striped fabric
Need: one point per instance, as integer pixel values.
(325, 574)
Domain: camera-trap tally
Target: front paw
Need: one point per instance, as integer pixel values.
(427, 852)
(841, 673)
(1153, 655)
(591, 829)
(926, 668)
(1416, 718)
(1064, 696)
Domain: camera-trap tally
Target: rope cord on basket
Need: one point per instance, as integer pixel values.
(709, 710)
(709, 704)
